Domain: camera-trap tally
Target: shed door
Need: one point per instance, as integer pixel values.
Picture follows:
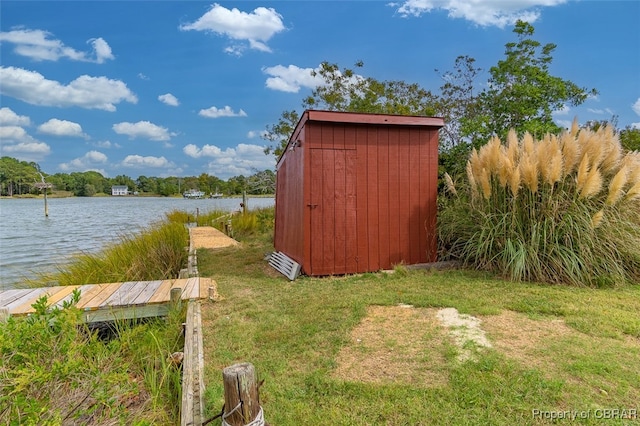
(333, 211)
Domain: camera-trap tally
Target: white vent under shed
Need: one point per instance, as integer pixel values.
(284, 264)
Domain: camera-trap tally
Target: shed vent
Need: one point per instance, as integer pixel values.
(284, 264)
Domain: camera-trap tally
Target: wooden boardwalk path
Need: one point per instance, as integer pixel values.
(108, 302)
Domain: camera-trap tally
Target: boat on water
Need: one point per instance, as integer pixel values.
(216, 195)
(193, 193)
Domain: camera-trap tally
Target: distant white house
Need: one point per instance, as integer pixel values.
(119, 190)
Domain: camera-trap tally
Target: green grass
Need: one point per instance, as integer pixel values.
(294, 332)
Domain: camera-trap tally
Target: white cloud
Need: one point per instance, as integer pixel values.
(607, 111)
(138, 161)
(499, 13)
(62, 128)
(636, 107)
(84, 92)
(291, 79)
(244, 159)
(38, 45)
(143, 129)
(16, 142)
(106, 144)
(89, 161)
(252, 134)
(9, 118)
(169, 99)
(214, 112)
(256, 28)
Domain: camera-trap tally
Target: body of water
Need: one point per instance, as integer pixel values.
(31, 243)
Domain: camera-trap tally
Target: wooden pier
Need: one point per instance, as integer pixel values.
(109, 302)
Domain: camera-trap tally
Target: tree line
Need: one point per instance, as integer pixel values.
(19, 178)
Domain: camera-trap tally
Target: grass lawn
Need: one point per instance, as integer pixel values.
(371, 349)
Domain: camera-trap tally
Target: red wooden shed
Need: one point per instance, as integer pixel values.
(357, 192)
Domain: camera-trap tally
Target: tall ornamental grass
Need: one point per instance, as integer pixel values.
(563, 209)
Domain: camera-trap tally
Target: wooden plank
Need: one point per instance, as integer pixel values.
(394, 197)
(190, 289)
(203, 291)
(105, 291)
(96, 290)
(60, 293)
(383, 198)
(373, 202)
(362, 230)
(404, 211)
(416, 222)
(340, 212)
(146, 292)
(122, 296)
(192, 411)
(83, 289)
(351, 215)
(162, 293)
(29, 297)
(328, 210)
(9, 296)
(52, 297)
(316, 236)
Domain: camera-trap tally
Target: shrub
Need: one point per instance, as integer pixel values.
(564, 209)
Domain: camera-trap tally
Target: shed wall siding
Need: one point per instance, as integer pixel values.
(359, 197)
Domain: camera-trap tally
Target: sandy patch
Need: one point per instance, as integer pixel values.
(465, 330)
(395, 344)
(210, 238)
(404, 344)
(523, 339)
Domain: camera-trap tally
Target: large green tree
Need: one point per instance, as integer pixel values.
(522, 94)
(346, 90)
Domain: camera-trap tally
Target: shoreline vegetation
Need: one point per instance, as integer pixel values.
(360, 349)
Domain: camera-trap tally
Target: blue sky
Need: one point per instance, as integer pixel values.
(180, 88)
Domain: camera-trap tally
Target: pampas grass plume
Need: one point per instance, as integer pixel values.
(514, 181)
(616, 186)
(596, 219)
(449, 184)
(592, 185)
(570, 152)
(633, 193)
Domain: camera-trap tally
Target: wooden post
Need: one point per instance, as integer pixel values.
(175, 296)
(241, 398)
(4, 314)
(244, 202)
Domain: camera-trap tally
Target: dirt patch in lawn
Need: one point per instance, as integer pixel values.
(409, 345)
(395, 344)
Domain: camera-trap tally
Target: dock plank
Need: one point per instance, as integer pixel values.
(147, 292)
(9, 296)
(123, 295)
(83, 290)
(105, 291)
(188, 289)
(162, 293)
(29, 297)
(24, 306)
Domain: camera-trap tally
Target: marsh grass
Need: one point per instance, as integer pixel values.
(158, 252)
(294, 333)
(560, 210)
(55, 370)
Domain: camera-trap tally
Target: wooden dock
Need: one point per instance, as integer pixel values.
(108, 302)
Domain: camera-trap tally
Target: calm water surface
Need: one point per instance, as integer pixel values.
(32, 243)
